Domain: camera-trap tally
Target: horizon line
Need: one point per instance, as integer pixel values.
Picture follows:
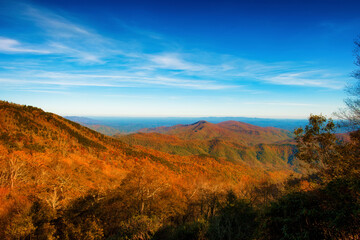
(199, 117)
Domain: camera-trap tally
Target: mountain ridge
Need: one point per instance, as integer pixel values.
(63, 149)
(62, 167)
(230, 141)
(250, 134)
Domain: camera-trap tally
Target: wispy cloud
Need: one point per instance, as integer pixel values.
(74, 53)
(9, 45)
(63, 37)
(42, 91)
(173, 61)
(24, 81)
(318, 78)
(291, 74)
(51, 21)
(64, 40)
(112, 80)
(295, 104)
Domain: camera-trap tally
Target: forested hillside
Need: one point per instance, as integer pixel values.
(60, 180)
(52, 169)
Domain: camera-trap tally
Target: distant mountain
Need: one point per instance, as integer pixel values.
(134, 124)
(94, 125)
(234, 131)
(83, 120)
(231, 141)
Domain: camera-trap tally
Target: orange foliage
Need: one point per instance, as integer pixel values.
(44, 156)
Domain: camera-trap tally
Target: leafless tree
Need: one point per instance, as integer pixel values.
(351, 113)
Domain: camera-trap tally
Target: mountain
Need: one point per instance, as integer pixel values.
(232, 141)
(60, 179)
(52, 154)
(55, 154)
(134, 124)
(234, 131)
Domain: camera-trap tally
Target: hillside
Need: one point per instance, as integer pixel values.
(52, 153)
(48, 160)
(54, 143)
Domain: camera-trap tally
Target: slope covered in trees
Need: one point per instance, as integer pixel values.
(60, 180)
(51, 169)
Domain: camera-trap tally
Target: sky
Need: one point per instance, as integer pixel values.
(274, 59)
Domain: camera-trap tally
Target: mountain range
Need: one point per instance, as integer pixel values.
(230, 140)
(59, 159)
(134, 124)
(54, 173)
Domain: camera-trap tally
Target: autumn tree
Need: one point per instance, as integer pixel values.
(317, 143)
(332, 210)
(144, 185)
(319, 146)
(13, 168)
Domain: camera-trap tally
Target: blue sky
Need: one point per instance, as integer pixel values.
(279, 59)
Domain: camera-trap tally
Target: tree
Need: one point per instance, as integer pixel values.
(351, 114)
(317, 143)
(319, 146)
(13, 168)
(331, 212)
(145, 186)
(236, 220)
(294, 216)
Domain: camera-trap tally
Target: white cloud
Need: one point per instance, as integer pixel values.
(308, 79)
(297, 104)
(52, 22)
(70, 41)
(79, 55)
(117, 80)
(73, 41)
(173, 61)
(42, 91)
(290, 74)
(9, 45)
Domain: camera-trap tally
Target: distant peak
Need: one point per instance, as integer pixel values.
(200, 122)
